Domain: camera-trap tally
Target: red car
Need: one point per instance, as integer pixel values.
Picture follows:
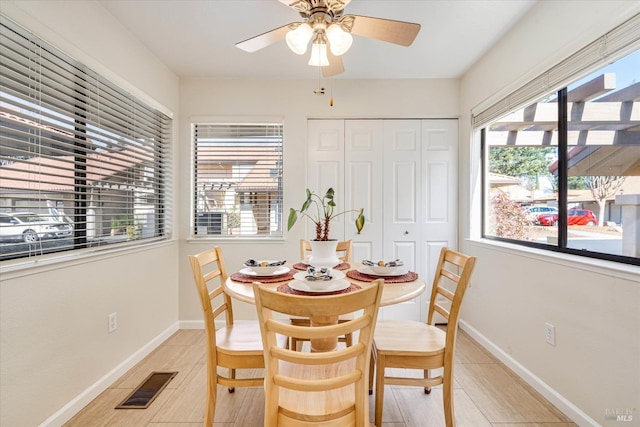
(581, 217)
(574, 217)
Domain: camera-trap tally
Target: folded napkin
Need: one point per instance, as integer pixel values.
(253, 263)
(322, 274)
(394, 263)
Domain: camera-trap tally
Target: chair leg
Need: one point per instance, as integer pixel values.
(232, 375)
(427, 390)
(212, 395)
(372, 368)
(447, 398)
(379, 389)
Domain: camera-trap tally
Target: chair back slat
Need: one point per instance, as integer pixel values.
(317, 385)
(446, 293)
(317, 358)
(441, 310)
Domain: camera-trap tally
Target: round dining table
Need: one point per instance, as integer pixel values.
(397, 289)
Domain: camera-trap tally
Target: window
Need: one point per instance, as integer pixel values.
(82, 163)
(562, 170)
(237, 180)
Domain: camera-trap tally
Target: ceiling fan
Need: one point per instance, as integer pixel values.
(324, 24)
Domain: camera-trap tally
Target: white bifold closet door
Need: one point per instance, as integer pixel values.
(404, 174)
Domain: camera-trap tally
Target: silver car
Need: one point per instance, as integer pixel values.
(30, 227)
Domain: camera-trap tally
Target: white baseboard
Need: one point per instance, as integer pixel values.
(65, 413)
(191, 324)
(559, 401)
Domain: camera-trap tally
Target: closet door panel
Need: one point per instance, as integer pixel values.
(402, 202)
(440, 187)
(326, 167)
(440, 180)
(363, 183)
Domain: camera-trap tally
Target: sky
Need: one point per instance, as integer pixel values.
(627, 70)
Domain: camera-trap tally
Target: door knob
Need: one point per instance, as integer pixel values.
(406, 232)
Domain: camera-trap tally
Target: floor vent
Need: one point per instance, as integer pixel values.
(146, 392)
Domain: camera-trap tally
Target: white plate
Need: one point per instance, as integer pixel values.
(332, 286)
(369, 272)
(335, 274)
(279, 272)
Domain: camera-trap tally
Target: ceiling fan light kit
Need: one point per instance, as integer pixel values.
(324, 24)
(298, 38)
(319, 56)
(339, 40)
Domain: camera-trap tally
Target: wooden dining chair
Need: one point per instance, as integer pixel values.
(417, 345)
(232, 346)
(343, 250)
(325, 388)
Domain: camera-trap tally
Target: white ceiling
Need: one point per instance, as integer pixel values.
(197, 37)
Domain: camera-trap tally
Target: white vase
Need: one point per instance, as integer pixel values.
(323, 253)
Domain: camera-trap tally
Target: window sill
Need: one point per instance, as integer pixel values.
(236, 239)
(609, 268)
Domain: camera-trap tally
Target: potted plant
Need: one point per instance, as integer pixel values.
(321, 210)
(323, 215)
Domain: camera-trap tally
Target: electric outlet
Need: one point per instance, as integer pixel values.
(550, 334)
(113, 322)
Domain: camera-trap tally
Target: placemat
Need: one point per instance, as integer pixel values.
(302, 266)
(408, 277)
(284, 288)
(246, 278)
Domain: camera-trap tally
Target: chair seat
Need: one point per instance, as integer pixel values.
(407, 338)
(243, 337)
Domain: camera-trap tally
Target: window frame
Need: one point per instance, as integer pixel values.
(244, 198)
(99, 122)
(563, 161)
(616, 43)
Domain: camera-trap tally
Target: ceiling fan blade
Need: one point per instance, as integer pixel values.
(335, 66)
(387, 30)
(263, 40)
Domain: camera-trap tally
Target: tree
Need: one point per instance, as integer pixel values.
(522, 162)
(603, 187)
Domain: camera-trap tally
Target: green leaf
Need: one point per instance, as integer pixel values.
(293, 217)
(360, 221)
(330, 193)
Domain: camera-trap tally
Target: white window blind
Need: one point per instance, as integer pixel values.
(237, 180)
(611, 46)
(76, 151)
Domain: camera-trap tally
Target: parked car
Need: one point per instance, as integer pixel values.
(541, 215)
(547, 219)
(30, 227)
(581, 217)
(574, 217)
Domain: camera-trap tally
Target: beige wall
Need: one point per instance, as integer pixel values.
(595, 306)
(55, 349)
